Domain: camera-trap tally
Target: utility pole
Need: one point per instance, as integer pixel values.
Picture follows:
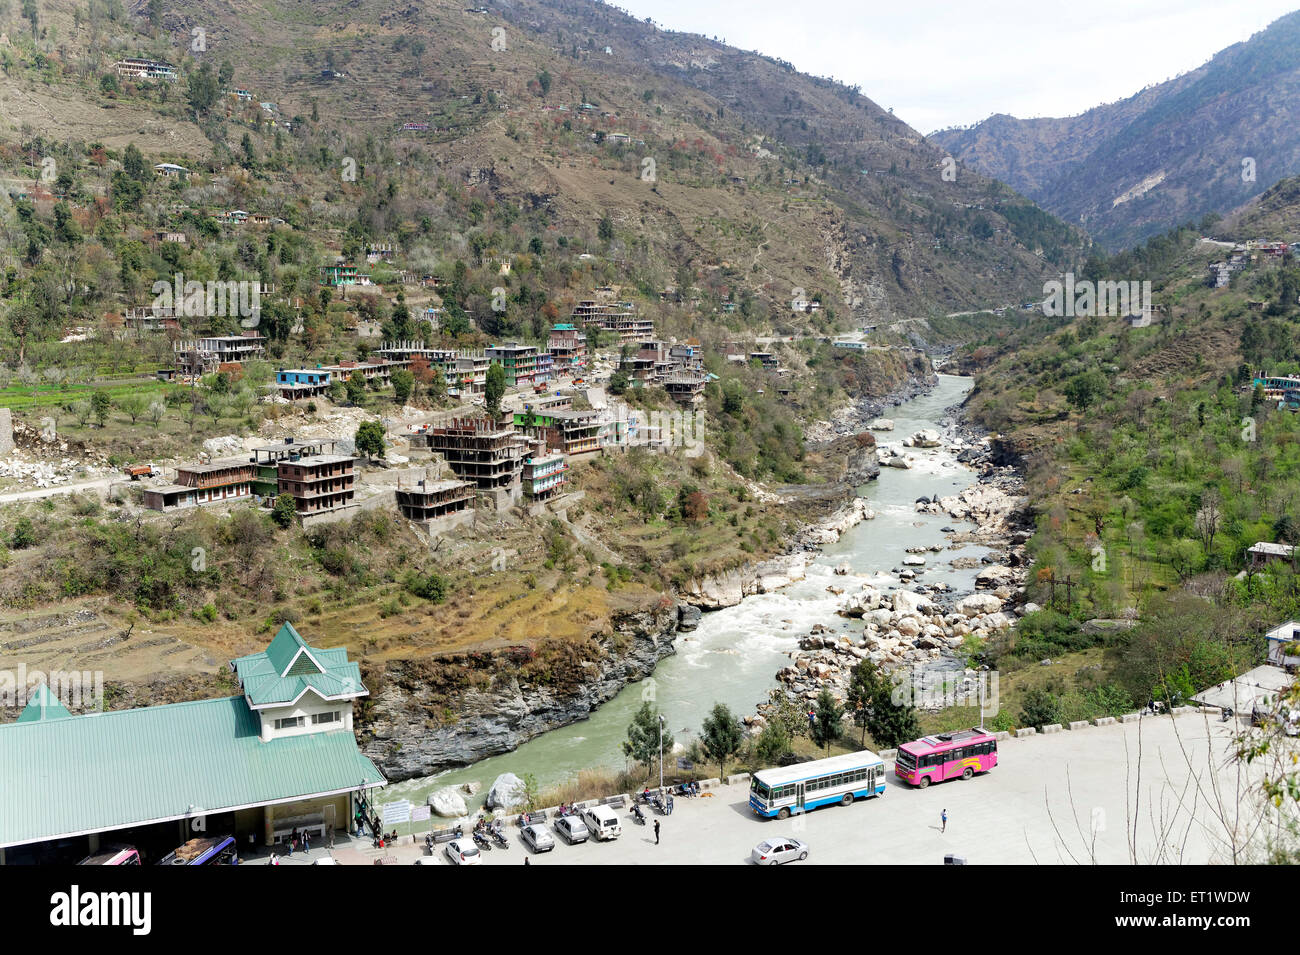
(661, 752)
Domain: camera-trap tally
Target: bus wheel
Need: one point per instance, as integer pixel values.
(783, 814)
(967, 773)
(847, 800)
(923, 782)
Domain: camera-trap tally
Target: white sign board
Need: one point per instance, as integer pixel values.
(395, 812)
(421, 813)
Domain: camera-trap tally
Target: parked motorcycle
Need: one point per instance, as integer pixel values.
(499, 838)
(481, 840)
(638, 814)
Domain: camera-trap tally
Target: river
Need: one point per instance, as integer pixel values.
(734, 654)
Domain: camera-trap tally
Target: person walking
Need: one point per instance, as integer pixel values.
(656, 832)
(306, 842)
(943, 818)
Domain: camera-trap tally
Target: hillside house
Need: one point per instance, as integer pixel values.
(483, 451)
(445, 503)
(136, 68)
(518, 361)
(1265, 553)
(545, 474)
(266, 459)
(569, 348)
(318, 483)
(199, 484)
(295, 383)
(169, 170)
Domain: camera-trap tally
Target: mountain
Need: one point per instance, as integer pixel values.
(712, 163)
(1204, 142)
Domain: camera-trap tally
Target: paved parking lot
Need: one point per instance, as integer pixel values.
(1070, 797)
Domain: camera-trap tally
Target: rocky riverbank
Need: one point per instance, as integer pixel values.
(922, 626)
(502, 699)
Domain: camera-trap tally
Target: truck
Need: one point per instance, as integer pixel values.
(137, 471)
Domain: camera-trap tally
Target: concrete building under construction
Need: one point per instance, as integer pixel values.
(443, 503)
(481, 450)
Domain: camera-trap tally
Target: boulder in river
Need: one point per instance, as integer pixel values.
(448, 803)
(688, 617)
(506, 793)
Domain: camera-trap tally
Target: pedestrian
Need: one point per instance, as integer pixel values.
(943, 818)
(656, 832)
(526, 862)
(306, 842)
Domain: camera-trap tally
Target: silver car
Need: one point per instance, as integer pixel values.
(573, 829)
(776, 851)
(537, 838)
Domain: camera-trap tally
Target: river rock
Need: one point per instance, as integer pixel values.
(506, 793)
(926, 438)
(882, 424)
(977, 604)
(908, 626)
(906, 602)
(448, 803)
(994, 576)
(471, 787)
(913, 560)
(688, 617)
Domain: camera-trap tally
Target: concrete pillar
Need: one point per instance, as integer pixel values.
(268, 826)
(6, 431)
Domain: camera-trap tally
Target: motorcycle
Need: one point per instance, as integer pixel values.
(499, 838)
(638, 814)
(481, 840)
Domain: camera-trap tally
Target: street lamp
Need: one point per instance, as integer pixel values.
(661, 752)
(980, 677)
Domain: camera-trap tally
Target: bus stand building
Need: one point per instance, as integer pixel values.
(280, 756)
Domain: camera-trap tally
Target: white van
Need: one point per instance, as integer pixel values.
(602, 822)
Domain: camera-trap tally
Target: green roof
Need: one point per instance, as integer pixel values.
(288, 668)
(43, 705)
(129, 767)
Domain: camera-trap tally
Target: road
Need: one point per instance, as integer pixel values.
(1042, 804)
(99, 486)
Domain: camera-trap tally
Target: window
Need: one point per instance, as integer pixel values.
(331, 717)
(288, 722)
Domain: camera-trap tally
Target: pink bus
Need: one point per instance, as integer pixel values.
(936, 758)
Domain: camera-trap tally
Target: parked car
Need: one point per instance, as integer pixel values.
(326, 860)
(776, 851)
(463, 852)
(537, 838)
(573, 829)
(602, 822)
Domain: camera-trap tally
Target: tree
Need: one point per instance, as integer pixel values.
(1082, 391)
(642, 743)
(721, 736)
(618, 383)
(370, 439)
(773, 743)
(356, 386)
(1040, 708)
(285, 510)
(872, 706)
(100, 404)
(403, 382)
(133, 405)
(495, 388)
(134, 165)
(544, 81)
(203, 89)
(827, 717)
(606, 228)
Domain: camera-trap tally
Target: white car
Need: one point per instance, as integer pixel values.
(327, 860)
(573, 829)
(463, 852)
(537, 837)
(776, 851)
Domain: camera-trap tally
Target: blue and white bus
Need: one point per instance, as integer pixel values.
(803, 786)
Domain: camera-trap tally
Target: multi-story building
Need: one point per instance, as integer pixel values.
(518, 361)
(136, 68)
(266, 459)
(569, 348)
(572, 432)
(484, 451)
(545, 474)
(338, 275)
(202, 356)
(686, 387)
(430, 501)
(318, 482)
(620, 318)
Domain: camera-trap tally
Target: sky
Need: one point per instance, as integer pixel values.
(941, 63)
